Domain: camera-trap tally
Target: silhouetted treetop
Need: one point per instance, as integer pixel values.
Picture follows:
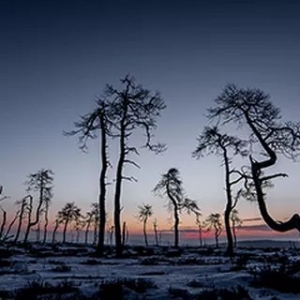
(254, 108)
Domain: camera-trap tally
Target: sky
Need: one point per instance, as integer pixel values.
(57, 56)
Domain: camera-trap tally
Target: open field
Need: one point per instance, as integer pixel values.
(74, 272)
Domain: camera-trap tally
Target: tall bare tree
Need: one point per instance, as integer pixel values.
(254, 109)
(42, 183)
(98, 121)
(134, 108)
(171, 186)
(145, 212)
(212, 141)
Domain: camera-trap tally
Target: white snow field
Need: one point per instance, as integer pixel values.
(257, 271)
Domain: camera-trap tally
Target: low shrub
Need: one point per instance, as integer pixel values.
(178, 293)
(35, 289)
(239, 293)
(61, 268)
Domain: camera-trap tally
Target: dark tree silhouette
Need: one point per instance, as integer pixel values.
(213, 221)
(236, 222)
(145, 212)
(78, 226)
(134, 108)
(99, 120)
(211, 141)
(91, 218)
(57, 222)
(253, 108)
(155, 225)
(4, 213)
(69, 213)
(41, 182)
(171, 185)
(23, 205)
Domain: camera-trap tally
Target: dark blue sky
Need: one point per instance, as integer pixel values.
(56, 57)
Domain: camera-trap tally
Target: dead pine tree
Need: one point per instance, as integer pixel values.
(170, 185)
(212, 141)
(135, 109)
(42, 183)
(23, 205)
(213, 221)
(98, 122)
(252, 108)
(145, 212)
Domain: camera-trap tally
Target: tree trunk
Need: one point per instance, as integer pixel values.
(200, 235)
(20, 219)
(176, 229)
(123, 234)
(38, 232)
(65, 231)
(77, 235)
(4, 214)
(145, 232)
(102, 183)
(86, 236)
(155, 234)
(228, 209)
(95, 233)
(46, 225)
(176, 218)
(54, 231)
(234, 234)
(117, 211)
(217, 239)
(10, 226)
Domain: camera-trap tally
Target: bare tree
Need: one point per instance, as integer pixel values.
(57, 222)
(11, 224)
(134, 108)
(253, 108)
(145, 212)
(99, 120)
(92, 218)
(79, 224)
(69, 213)
(171, 185)
(41, 182)
(23, 205)
(4, 213)
(200, 231)
(213, 221)
(211, 141)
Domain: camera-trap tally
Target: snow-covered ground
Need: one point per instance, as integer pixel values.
(153, 273)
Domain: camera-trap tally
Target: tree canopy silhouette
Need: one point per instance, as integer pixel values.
(253, 108)
(171, 185)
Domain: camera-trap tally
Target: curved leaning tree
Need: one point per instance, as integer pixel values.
(253, 108)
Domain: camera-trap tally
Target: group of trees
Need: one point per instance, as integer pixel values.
(122, 112)
(41, 184)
